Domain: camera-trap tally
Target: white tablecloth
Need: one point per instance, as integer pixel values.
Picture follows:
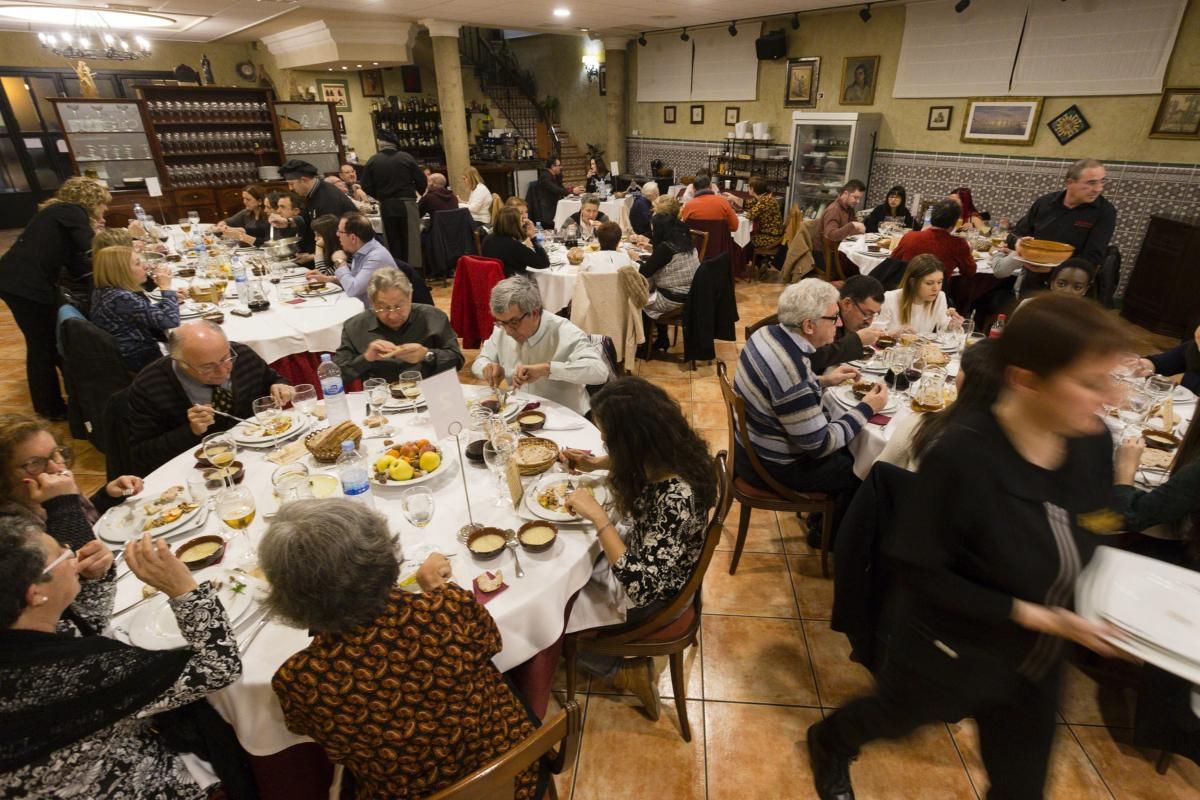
(856, 251)
(741, 237)
(610, 208)
(529, 613)
(557, 283)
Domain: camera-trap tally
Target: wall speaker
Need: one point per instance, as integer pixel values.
(771, 46)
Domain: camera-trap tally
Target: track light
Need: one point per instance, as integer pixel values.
(962, 5)
(732, 28)
(795, 22)
(642, 40)
(683, 37)
(865, 13)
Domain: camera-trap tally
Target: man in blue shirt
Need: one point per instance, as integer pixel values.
(360, 256)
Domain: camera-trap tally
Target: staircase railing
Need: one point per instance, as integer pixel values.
(512, 88)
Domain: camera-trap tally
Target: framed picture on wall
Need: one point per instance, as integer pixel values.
(697, 115)
(1178, 115)
(602, 80)
(1067, 125)
(939, 118)
(801, 88)
(859, 74)
(336, 92)
(669, 115)
(1001, 120)
(410, 76)
(371, 81)
(733, 115)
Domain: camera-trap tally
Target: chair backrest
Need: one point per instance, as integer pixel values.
(1108, 277)
(735, 411)
(700, 239)
(795, 218)
(690, 593)
(498, 778)
(608, 351)
(478, 242)
(833, 266)
(771, 319)
(111, 435)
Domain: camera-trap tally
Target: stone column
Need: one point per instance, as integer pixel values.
(448, 68)
(614, 64)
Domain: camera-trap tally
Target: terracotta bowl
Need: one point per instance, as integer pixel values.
(1160, 440)
(199, 563)
(487, 555)
(537, 548)
(531, 421)
(1045, 252)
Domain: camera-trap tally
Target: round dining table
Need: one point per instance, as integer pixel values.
(612, 208)
(855, 249)
(530, 612)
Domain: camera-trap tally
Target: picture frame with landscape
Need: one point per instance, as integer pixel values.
(800, 89)
(1001, 120)
(336, 92)
(1178, 115)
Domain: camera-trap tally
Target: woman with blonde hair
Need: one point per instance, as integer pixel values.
(57, 239)
(483, 205)
(120, 307)
(919, 305)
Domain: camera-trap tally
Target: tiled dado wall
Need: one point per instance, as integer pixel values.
(1001, 185)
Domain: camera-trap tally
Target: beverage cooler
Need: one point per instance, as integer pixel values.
(829, 149)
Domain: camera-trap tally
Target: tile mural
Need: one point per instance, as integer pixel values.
(1004, 186)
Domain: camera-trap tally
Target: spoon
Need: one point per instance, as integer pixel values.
(512, 545)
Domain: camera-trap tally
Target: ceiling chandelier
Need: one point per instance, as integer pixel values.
(86, 33)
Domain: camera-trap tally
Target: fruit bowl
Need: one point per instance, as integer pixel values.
(406, 463)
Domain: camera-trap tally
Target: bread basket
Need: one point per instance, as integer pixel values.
(327, 452)
(530, 464)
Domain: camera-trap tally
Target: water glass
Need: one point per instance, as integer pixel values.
(497, 452)
(197, 487)
(378, 392)
(304, 397)
(1159, 387)
(418, 506)
(1135, 407)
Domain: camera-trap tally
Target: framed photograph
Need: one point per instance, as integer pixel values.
(336, 92)
(669, 115)
(801, 88)
(341, 124)
(697, 115)
(859, 75)
(1001, 120)
(1067, 125)
(602, 80)
(410, 76)
(371, 81)
(733, 115)
(939, 118)
(1178, 115)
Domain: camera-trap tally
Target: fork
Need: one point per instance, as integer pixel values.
(257, 629)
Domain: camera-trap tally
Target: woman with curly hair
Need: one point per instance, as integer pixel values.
(58, 238)
(663, 483)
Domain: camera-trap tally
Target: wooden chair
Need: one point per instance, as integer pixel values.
(700, 239)
(832, 270)
(778, 497)
(669, 632)
(478, 243)
(497, 779)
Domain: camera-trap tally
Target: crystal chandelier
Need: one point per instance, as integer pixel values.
(87, 33)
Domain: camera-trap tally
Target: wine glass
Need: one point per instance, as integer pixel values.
(236, 508)
(497, 452)
(899, 360)
(1135, 407)
(220, 450)
(379, 391)
(418, 506)
(1159, 387)
(194, 218)
(267, 412)
(304, 397)
(410, 387)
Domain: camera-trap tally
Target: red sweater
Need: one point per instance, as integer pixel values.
(710, 206)
(952, 251)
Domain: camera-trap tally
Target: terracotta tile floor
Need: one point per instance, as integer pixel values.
(768, 666)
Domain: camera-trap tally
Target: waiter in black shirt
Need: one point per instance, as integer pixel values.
(394, 178)
(319, 198)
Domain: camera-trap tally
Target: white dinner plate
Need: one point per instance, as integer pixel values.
(869, 365)
(877, 254)
(1182, 394)
(844, 396)
(447, 466)
(111, 528)
(154, 627)
(324, 291)
(512, 407)
(190, 309)
(248, 432)
(532, 492)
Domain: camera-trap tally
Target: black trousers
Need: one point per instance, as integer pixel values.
(395, 230)
(833, 475)
(38, 324)
(1016, 729)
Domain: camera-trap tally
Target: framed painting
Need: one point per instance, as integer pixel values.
(371, 81)
(336, 92)
(697, 115)
(1001, 120)
(800, 91)
(859, 76)
(669, 115)
(733, 115)
(1067, 125)
(939, 118)
(1178, 115)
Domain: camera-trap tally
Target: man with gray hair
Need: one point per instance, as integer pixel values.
(438, 197)
(1078, 215)
(544, 354)
(788, 429)
(395, 334)
(173, 402)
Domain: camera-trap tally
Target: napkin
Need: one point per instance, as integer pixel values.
(288, 453)
(483, 597)
(880, 419)
(295, 301)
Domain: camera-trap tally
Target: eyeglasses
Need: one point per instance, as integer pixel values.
(343, 233)
(66, 555)
(511, 325)
(36, 466)
(834, 318)
(391, 309)
(214, 366)
(867, 315)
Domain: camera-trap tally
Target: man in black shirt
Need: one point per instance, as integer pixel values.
(319, 198)
(1077, 216)
(393, 178)
(543, 196)
(859, 302)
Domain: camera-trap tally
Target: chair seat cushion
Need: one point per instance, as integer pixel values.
(675, 628)
(742, 487)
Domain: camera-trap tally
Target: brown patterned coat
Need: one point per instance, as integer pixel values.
(411, 703)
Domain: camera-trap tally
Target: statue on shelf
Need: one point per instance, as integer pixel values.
(206, 73)
(87, 79)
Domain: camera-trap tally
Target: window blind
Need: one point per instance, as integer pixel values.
(664, 70)
(725, 67)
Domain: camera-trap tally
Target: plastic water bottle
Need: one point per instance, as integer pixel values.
(352, 469)
(139, 213)
(539, 236)
(241, 282)
(997, 329)
(336, 408)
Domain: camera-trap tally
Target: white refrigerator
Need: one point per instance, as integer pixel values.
(828, 149)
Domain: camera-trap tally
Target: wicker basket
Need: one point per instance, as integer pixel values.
(540, 466)
(329, 455)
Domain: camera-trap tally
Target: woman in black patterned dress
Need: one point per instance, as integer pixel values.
(663, 483)
(76, 708)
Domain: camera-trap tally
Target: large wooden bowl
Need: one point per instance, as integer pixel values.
(1044, 252)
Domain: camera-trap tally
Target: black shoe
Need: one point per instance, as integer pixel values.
(831, 773)
(813, 534)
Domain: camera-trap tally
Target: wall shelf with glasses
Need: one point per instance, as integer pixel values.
(307, 132)
(106, 139)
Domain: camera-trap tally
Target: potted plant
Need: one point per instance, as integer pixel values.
(550, 106)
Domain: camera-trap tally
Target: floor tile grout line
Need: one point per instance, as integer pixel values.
(1088, 756)
(962, 760)
(812, 669)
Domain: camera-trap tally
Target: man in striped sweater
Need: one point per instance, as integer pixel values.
(797, 444)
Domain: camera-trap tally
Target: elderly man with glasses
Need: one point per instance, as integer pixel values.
(539, 353)
(789, 432)
(360, 256)
(395, 334)
(177, 400)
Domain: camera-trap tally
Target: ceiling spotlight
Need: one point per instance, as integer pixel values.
(562, 12)
(375, 63)
(795, 22)
(642, 40)
(683, 37)
(358, 66)
(962, 5)
(344, 67)
(732, 28)
(865, 13)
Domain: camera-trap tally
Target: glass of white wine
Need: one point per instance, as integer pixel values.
(418, 506)
(410, 387)
(236, 508)
(220, 450)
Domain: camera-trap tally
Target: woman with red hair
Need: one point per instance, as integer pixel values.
(970, 216)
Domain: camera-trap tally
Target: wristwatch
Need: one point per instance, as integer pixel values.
(430, 357)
